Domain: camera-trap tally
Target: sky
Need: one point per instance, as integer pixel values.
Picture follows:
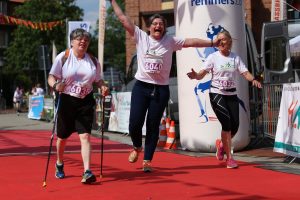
(90, 9)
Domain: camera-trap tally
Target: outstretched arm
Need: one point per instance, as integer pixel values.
(195, 75)
(196, 42)
(125, 20)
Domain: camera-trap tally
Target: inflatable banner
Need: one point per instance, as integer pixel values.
(199, 127)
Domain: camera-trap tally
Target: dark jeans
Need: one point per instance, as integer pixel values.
(151, 100)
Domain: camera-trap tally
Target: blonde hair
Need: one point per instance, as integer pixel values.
(226, 33)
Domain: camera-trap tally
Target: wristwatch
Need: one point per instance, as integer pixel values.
(54, 86)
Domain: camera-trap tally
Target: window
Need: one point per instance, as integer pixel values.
(275, 54)
(3, 7)
(3, 39)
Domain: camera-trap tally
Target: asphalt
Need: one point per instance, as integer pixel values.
(259, 151)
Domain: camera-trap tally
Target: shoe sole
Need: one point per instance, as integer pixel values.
(133, 161)
(228, 167)
(59, 177)
(147, 170)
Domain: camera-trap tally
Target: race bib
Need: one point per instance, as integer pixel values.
(153, 63)
(77, 90)
(226, 83)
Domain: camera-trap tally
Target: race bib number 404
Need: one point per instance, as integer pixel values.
(76, 90)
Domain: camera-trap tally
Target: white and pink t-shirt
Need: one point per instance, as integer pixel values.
(78, 74)
(225, 70)
(154, 57)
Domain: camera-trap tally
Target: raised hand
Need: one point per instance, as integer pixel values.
(192, 74)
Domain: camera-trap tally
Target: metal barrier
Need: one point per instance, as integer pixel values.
(255, 104)
(271, 105)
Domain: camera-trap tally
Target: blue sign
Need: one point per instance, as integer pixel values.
(36, 105)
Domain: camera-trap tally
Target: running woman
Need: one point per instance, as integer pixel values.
(225, 66)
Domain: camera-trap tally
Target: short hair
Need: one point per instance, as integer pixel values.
(79, 32)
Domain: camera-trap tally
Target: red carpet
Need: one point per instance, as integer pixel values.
(175, 176)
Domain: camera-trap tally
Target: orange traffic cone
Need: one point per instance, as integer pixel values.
(162, 134)
(168, 124)
(171, 141)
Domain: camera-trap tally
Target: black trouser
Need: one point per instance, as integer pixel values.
(152, 100)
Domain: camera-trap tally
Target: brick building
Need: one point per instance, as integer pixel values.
(257, 12)
(7, 7)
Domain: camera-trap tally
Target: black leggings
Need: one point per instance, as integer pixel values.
(226, 108)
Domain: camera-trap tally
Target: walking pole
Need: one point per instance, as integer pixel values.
(102, 135)
(51, 140)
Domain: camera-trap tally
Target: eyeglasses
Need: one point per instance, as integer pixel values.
(79, 39)
(157, 23)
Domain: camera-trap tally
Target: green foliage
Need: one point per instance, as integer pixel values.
(21, 55)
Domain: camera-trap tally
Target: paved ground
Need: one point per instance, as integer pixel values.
(261, 151)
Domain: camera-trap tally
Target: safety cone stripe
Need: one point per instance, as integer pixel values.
(163, 137)
(167, 124)
(171, 140)
(162, 134)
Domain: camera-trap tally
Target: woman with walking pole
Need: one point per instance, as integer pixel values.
(73, 74)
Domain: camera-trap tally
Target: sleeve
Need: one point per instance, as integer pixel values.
(56, 69)
(209, 63)
(177, 43)
(139, 35)
(240, 65)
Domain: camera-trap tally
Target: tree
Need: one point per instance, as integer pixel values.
(21, 55)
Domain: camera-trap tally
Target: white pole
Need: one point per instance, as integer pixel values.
(102, 15)
(54, 51)
(45, 69)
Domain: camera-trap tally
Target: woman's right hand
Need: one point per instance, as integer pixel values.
(192, 74)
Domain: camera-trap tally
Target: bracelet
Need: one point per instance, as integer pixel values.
(253, 79)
